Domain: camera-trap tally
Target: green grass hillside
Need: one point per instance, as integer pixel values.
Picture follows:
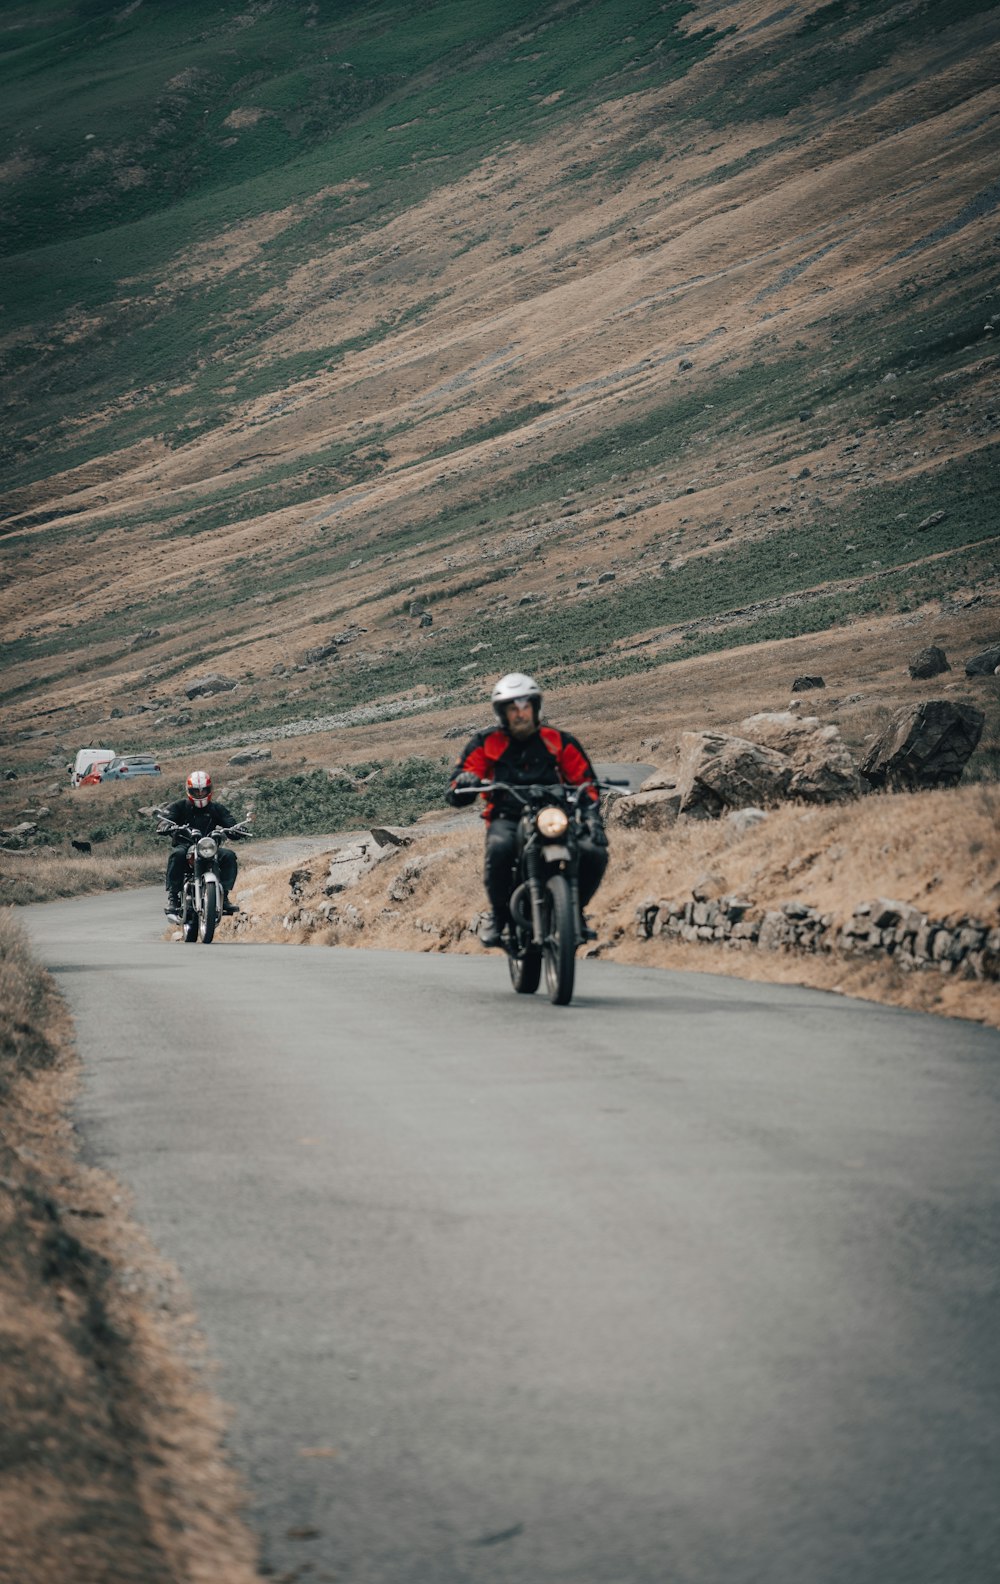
(137, 130)
(605, 333)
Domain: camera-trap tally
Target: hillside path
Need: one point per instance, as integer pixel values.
(695, 1280)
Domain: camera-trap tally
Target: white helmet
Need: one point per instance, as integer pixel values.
(515, 685)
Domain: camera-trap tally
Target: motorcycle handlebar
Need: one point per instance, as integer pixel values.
(168, 827)
(524, 794)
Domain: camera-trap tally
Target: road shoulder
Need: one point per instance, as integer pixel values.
(111, 1442)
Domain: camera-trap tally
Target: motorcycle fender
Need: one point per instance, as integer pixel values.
(553, 854)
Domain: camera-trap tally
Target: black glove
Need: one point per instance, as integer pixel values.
(593, 828)
(462, 786)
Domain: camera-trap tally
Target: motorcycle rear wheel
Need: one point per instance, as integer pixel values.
(189, 923)
(560, 942)
(209, 916)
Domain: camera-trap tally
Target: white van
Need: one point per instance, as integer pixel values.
(89, 759)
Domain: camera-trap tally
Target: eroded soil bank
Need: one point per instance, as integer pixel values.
(111, 1462)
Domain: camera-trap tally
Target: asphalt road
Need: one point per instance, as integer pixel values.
(693, 1282)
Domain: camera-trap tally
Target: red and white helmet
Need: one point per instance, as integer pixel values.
(515, 685)
(199, 788)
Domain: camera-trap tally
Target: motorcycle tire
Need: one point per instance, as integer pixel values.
(525, 968)
(189, 924)
(209, 916)
(560, 942)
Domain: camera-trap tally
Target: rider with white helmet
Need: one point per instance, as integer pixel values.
(523, 752)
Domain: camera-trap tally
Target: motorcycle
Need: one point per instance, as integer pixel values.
(547, 924)
(202, 894)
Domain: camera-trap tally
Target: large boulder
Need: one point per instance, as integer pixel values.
(822, 768)
(985, 663)
(716, 773)
(924, 746)
(930, 662)
(804, 684)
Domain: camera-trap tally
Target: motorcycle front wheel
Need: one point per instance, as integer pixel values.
(560, 942)
(209, 915)
(525, 967)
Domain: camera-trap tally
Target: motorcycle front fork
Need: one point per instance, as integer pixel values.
(194, 890)
(536, 896)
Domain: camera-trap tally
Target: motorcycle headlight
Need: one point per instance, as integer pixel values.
(207, 847)
(552, 822)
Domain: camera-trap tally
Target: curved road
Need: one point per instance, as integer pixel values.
(693, 1282)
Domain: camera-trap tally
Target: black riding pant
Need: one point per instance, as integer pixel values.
(177, 869)
(501, 856)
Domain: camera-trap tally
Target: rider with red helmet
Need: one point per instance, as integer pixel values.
(523, 752)
(197, 810)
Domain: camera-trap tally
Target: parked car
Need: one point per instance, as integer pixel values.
(126, 766)
(88, 764)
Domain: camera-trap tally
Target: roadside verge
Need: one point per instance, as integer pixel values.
(936, 853)
(111, 1467)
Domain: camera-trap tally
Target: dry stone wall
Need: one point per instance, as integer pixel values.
(969, 948)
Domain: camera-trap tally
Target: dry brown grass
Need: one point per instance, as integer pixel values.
(40, 877)
(939, 851)
(110, 1460)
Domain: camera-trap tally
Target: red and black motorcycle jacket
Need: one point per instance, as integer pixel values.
(546, 758)
(203, 820)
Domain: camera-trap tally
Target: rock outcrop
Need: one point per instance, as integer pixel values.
(655, 810)
(777, 755)
(716, 773)
(349, 863)
(924, 746)
(321, 652)
(248, 756)
(822, 768)
(212, 682)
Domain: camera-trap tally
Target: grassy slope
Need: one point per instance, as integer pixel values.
(305, 374)
(394, 103)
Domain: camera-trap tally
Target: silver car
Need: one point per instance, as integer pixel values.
(126, 766)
